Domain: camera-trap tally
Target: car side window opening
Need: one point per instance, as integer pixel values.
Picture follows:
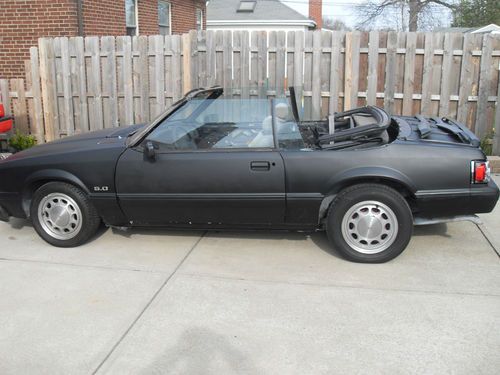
(222, 123)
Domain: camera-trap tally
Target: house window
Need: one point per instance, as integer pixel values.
(199, 19)
(164, 18)
(131, 17)
(247, 6)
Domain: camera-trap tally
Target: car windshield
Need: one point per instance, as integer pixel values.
(223, 122)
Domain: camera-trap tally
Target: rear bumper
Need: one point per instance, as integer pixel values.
(448, 203)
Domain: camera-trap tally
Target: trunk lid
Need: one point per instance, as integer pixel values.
(435, 130)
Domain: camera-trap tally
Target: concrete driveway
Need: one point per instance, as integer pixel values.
(160, 302)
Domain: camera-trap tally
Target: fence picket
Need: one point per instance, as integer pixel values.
(335, 71)
(444, 99)
(156, 45)
(409, 74)
(316, 75)
(37, 123)
(390, 71)
(485, 77)
(49, 95)
(94, 83)
(109, 85)
(69, 120)
(373, 46)
(19, 105)
(4, 95)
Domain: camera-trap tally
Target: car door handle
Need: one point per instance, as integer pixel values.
(260, 165)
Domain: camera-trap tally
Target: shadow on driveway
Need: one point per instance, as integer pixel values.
(202, 351)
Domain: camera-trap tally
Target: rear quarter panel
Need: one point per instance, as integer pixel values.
(313, 175)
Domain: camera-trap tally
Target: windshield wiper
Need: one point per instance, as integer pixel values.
(132, 133)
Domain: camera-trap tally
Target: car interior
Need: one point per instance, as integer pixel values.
(213, 122)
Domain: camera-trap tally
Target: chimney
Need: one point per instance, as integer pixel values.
(316, 12)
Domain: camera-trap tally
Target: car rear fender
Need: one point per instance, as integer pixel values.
(39, 178)
(383, 175)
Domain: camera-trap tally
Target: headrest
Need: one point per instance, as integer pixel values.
(281, 111)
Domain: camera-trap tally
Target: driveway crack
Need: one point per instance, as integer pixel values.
(165, 282)
(486, 236)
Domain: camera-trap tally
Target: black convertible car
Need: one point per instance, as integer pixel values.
(216, 163)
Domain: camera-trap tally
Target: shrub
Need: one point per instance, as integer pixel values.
(21, 142)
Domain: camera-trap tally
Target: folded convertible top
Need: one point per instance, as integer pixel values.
(364, 123)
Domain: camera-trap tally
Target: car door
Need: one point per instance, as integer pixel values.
(205, 170)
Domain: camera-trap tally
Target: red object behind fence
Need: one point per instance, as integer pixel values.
(5, 122)
(5, 125)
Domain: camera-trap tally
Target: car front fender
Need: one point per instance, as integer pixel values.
(53, 175)
(40, 177)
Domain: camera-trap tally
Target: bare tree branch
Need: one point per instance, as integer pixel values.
(411, 14)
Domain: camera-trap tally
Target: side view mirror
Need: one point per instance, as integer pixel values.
(149, 150)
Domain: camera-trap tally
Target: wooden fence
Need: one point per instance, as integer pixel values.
(74, 85)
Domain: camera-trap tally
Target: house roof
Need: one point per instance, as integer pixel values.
(491, 28)
(264, 12)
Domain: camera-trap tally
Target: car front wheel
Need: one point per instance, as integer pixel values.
(369, 223)
(63, 215)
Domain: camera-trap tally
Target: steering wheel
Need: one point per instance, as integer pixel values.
(174, 134)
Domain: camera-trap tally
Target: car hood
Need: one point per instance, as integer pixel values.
(97, 139)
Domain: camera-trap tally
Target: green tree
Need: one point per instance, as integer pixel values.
(475, 13)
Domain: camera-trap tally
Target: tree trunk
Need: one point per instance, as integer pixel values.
(414, 11)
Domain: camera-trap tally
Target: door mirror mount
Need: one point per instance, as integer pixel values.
(149, 150)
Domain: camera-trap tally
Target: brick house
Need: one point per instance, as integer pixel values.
(24, 21)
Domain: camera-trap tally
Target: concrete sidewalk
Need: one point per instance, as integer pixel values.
(154, 301)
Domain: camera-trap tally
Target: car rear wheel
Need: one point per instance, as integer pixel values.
(369, 223)
(63, 215)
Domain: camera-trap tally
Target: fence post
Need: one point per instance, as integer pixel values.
(186, 62)
(48, 78)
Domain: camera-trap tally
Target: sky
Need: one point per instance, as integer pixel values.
(344, 10)
(338, 9)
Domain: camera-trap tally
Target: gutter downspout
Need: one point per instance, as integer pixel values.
(79, 16)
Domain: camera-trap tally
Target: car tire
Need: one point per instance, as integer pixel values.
(369, 223)
(63, 215)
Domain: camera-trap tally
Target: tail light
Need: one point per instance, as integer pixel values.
(480, 172)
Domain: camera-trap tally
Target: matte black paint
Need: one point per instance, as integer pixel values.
(262, 188)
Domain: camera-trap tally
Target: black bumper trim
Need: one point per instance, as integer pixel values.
(478, 199)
